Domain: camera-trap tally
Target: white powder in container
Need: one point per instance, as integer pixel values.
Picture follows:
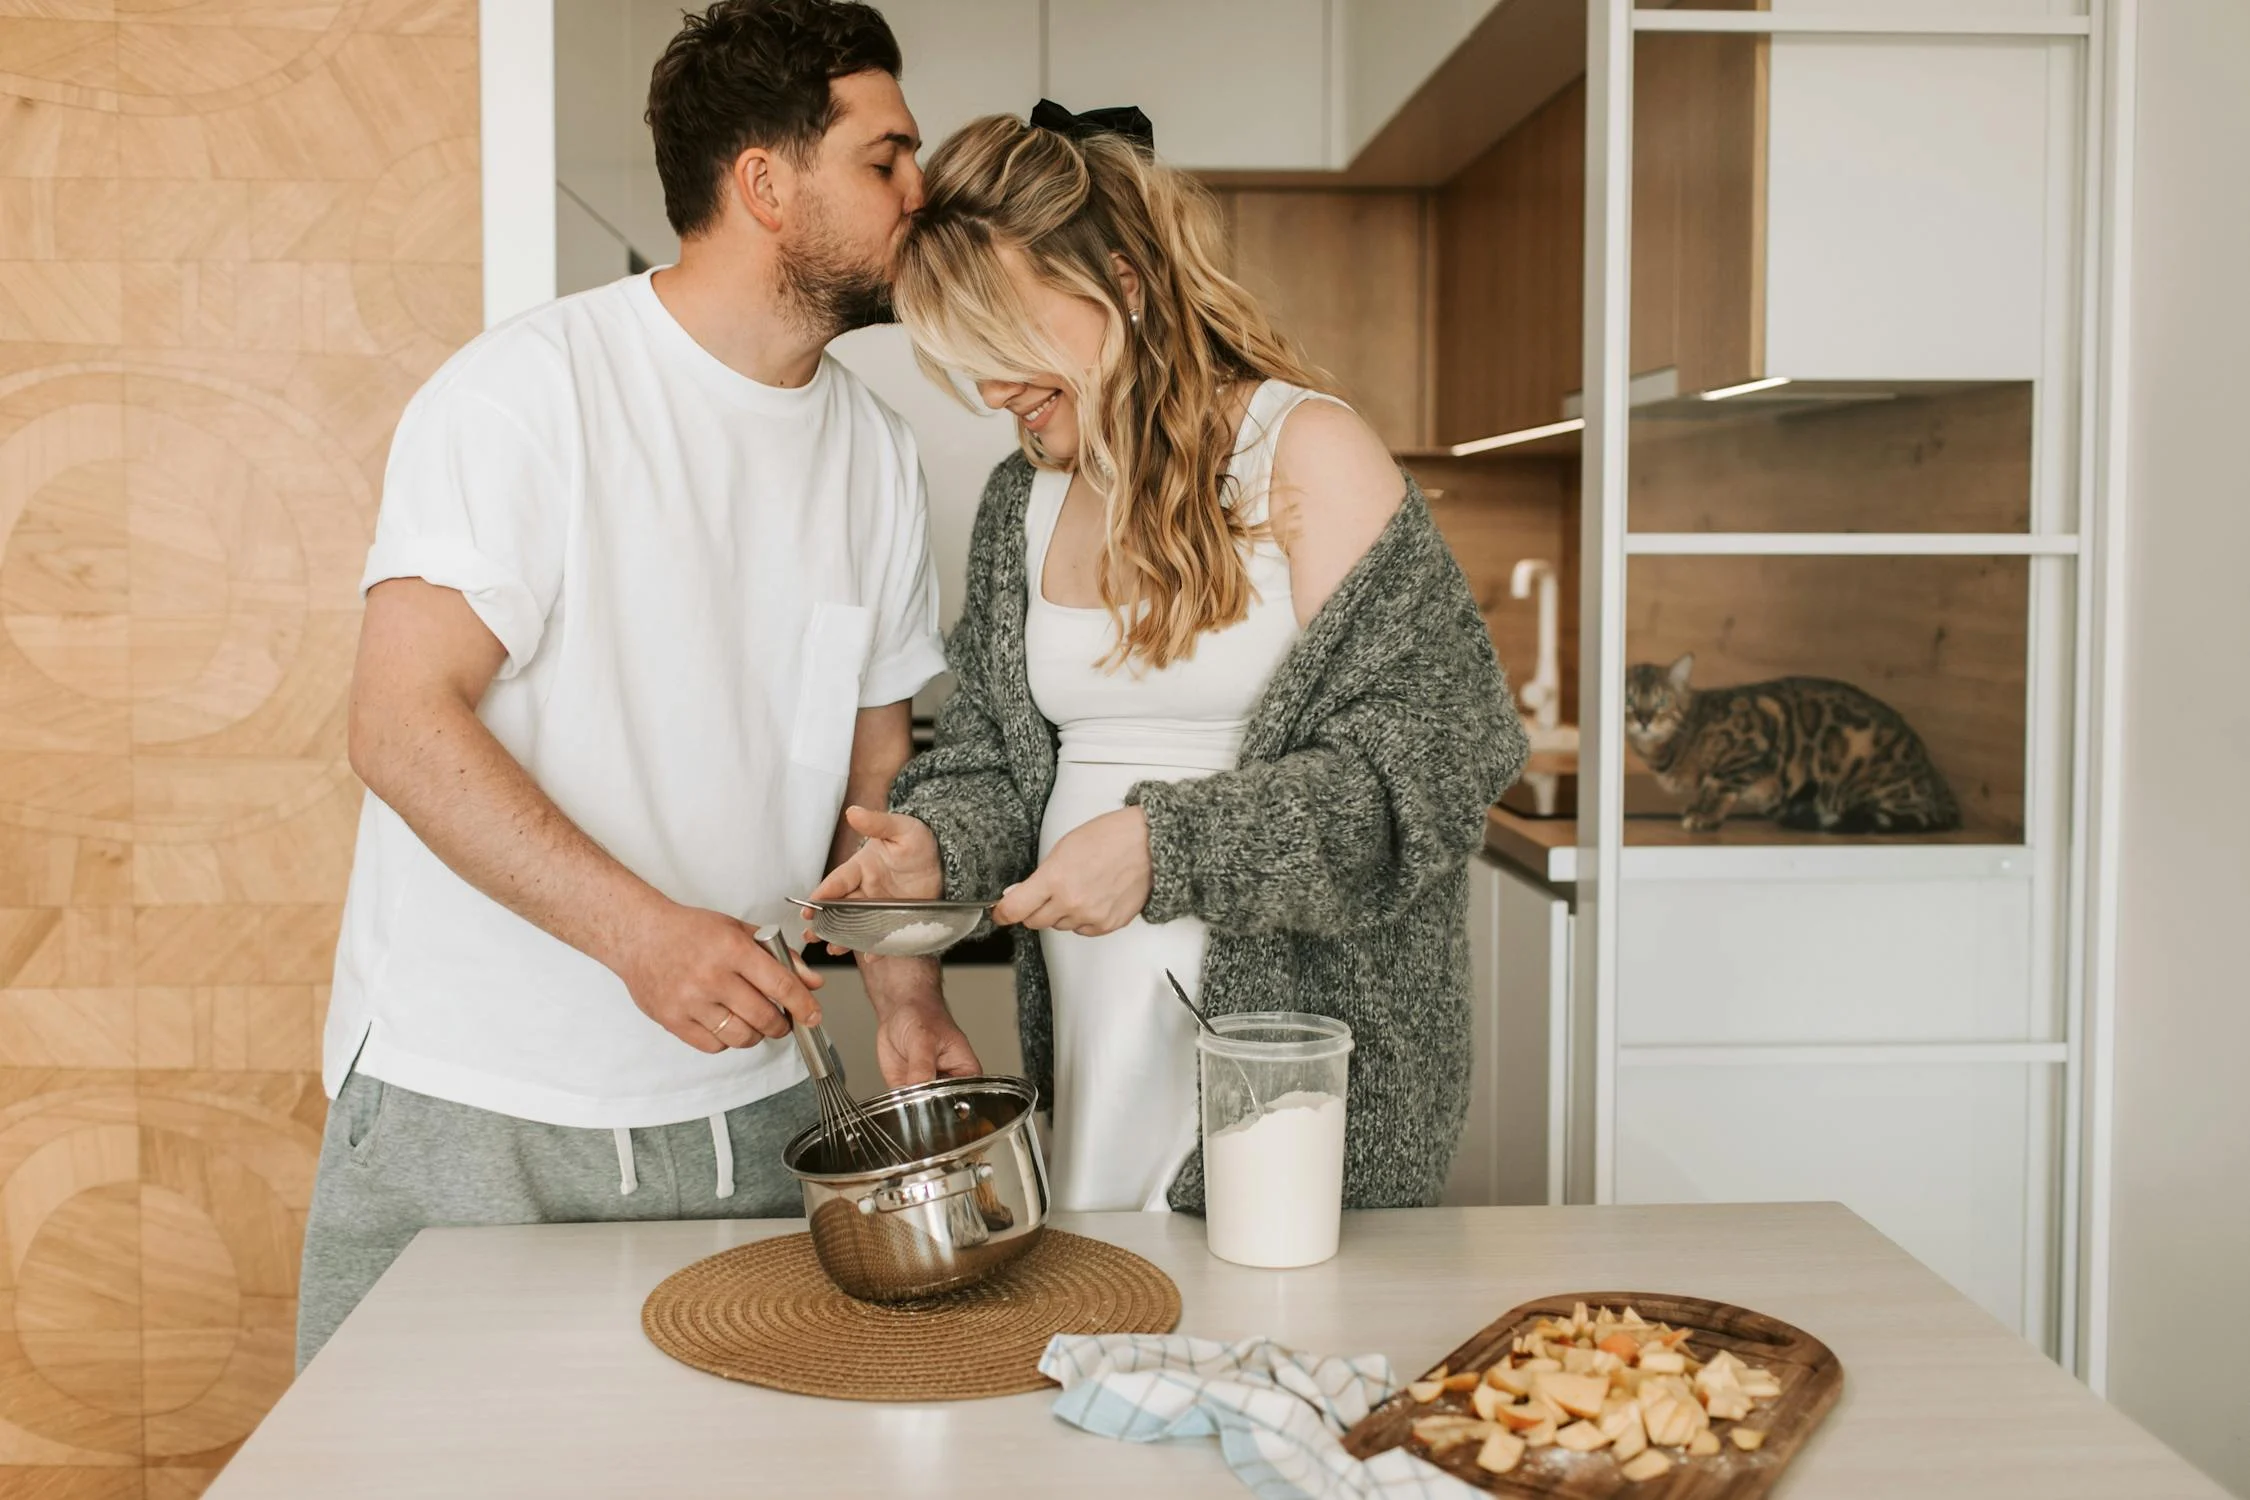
(1273, 1186)
(913, 938)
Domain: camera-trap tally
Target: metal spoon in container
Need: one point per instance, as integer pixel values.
(1204, 1021)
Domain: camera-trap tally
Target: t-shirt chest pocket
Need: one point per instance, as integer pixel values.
(832, 659)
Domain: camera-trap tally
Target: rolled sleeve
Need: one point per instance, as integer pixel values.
(500, 598)
(473, 502)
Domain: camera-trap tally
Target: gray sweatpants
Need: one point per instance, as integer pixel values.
(393, 1162)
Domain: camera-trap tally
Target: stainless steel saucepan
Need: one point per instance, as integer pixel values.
(970, 1197)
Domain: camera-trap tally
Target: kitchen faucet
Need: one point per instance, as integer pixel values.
(1542, 696)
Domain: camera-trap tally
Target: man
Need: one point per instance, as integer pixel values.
(648, 600)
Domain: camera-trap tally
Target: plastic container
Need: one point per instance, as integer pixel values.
(1273, 1136)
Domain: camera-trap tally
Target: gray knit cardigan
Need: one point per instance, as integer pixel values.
(1330, 863)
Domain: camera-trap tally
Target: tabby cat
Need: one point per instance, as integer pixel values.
(1812, 753)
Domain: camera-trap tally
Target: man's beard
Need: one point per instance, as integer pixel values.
(827, 292)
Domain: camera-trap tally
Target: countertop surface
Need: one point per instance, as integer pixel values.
(511, 1362)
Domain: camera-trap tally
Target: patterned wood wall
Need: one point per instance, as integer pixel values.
(234, 236)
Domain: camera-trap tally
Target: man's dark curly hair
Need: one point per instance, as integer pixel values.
(752, 73)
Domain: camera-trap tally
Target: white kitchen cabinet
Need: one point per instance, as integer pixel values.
(1519, 965)
(1919, 194)
(1853, 960)
(1952, 1160)
(1243, 85)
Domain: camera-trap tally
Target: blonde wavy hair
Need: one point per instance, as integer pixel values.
(1152, 414)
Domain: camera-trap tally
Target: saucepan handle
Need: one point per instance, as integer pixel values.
(893, 1196)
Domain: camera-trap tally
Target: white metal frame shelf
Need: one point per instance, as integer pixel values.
(2072, 615)
(1767, 23)
(1849, 544)
(1833, 1054)
(1903, 860)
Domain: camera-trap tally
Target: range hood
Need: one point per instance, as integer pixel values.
(1656, 397)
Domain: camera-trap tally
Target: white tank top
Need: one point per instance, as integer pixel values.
(1192, 713)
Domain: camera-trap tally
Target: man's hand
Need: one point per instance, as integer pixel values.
(918, 1041)
(703, 976)
(1095, 880)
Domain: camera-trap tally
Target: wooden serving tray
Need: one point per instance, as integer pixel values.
(1811, 1380)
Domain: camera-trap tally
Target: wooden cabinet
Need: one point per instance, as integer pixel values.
(1241, 86)
(1343, 273)
(1512, 1149)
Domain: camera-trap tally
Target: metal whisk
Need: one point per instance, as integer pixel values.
(845, 1128)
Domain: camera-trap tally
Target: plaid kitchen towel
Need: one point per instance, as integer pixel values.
(1278, 1414)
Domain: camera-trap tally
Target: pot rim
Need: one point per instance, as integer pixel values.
(1019, 1089)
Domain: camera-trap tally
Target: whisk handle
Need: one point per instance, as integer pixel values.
(812, 1042)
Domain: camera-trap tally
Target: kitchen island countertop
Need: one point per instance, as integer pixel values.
(511, 1362)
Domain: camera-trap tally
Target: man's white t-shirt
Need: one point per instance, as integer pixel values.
(699, 581)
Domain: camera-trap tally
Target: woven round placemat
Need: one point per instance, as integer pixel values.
(767, 1314)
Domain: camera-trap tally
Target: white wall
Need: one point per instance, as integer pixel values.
(1388, 56)
(607, 192)
(2181, 1228)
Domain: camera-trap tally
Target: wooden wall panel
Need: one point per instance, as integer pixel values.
(1511, 276)
(1957, 462)
(1495, 512)
(234, 236)
(1940, 639)
(1343, 273)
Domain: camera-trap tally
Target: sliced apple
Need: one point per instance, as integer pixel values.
(1525, 1417)
(1703, 1445)
(1443, 1433)
(1617, 1415)
(1580, 1395)
(1664, 1362)
(1748, 1439)
(1509, 1378)
(1465, 1381)
(1727, 1405)
(1501, 1453)
(1488, 1402)
(1622, 1346)
(1425, 1391)
(1581, 1437)
(1628, 1443)
(1648, 1466)
(1540, 1436)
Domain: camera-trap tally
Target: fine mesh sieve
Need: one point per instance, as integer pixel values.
(894, 929)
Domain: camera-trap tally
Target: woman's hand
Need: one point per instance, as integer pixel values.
(897, 862)
(1094, 881)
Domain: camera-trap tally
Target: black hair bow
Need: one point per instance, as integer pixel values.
(1125, 120)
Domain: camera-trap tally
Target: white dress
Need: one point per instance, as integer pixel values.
(1125, 1064)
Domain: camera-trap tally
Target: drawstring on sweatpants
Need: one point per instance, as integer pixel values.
(722, 1147)
(722, 1150)
(627, 1178)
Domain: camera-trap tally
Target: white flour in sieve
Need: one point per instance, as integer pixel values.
(914, 936)
(1273, 1186)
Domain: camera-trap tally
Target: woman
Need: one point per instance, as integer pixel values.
(1224, 704)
